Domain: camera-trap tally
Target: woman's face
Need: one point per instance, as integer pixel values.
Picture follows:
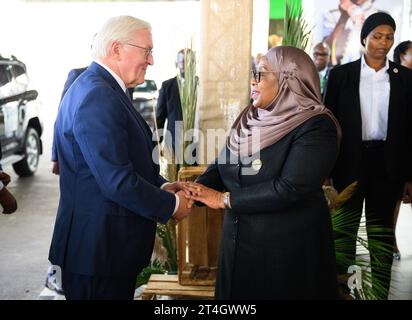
(406, 58)
(264, 86)
(379, 41)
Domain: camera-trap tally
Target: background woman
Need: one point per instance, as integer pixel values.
(371, 98)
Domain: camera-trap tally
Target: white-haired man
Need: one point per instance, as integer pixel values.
(111, 193)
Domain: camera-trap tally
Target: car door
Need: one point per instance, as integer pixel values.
(10, 97)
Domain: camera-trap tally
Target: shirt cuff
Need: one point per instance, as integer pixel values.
(177, 197)
(2, 186)
(177, 204)
(164, 185)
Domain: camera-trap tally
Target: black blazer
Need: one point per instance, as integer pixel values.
(169, 106)
(342, 98)
(277, 238)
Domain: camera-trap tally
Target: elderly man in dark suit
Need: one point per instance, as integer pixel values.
(111, 193)
(71, 77)
(372, 99)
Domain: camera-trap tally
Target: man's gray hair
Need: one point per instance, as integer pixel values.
(120, 29)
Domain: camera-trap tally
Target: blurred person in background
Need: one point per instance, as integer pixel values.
(321, 59)
(402, 55)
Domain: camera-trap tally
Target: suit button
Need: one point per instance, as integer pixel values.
(236, 220)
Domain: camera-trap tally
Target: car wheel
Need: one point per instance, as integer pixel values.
(28, 165)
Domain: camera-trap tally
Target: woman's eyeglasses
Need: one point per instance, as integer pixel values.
(257, 75)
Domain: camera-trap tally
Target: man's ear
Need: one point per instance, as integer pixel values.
(114, 49)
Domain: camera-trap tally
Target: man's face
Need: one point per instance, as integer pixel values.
(181, 64)
(320, 57)
(133, 61)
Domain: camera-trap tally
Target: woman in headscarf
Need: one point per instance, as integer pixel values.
(277, 238)
(372, 99)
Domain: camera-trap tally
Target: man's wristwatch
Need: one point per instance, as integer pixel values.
(226, 200)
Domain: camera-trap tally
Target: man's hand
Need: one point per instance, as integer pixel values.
(5, 178)
(7, 201)
(55, 167)
(407, 192)
(185, 206)
(174, 187)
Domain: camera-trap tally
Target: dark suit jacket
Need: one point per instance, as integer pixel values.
(71, 77)
(277, 238)
(169, 107)
(73, 74)
(110, 200)
(342, 98)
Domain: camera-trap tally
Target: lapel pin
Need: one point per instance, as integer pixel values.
(395, 70)
(256, 164)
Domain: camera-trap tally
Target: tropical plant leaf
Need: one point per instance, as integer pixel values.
(296, 28)
(167, 234)
(155, 267)
(188, 95)
(344, 223)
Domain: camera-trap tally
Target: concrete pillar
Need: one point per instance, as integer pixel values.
(225, 62)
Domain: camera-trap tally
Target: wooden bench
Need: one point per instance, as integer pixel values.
(168, 285)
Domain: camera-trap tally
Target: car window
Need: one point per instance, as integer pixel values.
(22, 81)
(147, 85)
(5, 81)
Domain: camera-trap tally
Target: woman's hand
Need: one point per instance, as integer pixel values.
(210, 197)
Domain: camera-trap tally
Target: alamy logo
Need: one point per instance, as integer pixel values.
(355, 280)
(54, 278)
(187, 145)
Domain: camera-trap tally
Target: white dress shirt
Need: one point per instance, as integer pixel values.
(374, 90)
(123, 86)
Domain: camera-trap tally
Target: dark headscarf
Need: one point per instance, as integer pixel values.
(298, 100)
(375, 20)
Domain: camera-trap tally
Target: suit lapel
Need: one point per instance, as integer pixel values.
(394, 93)
(141, 123)
(354, 76)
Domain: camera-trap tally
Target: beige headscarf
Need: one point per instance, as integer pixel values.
(298, 100)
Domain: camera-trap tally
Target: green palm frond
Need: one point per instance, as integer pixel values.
(296, 28)
(343, 221)
(188, 94)
(167, 232)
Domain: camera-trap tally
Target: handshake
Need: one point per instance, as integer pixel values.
(189, 192)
